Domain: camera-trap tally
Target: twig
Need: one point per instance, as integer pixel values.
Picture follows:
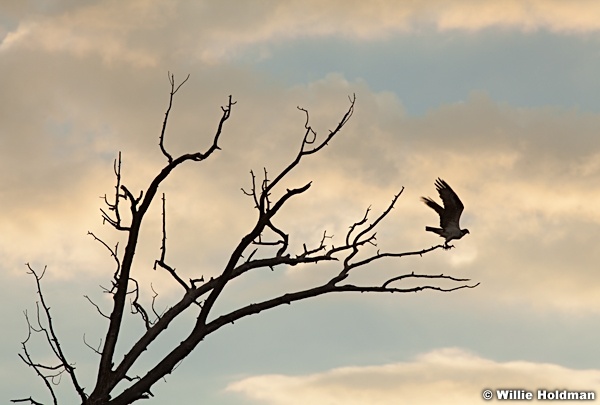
(164, 126)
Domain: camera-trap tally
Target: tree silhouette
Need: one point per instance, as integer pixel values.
(113, 384)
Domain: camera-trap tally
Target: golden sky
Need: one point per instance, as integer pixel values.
(498, 98)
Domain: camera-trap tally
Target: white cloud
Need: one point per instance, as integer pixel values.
(553, 15)
(81, 112)
(277, 22)
(87, 79)
(142, 33)
(525, 186)
(448, 376)
(108, 29)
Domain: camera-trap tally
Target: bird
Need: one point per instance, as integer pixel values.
(449, 214)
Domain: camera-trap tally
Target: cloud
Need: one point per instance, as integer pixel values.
(553, 15)
(496, 156)
(84, 80)
(449, 376)
(524, 182)
(277, 22)
(107, 29)
(142, 33)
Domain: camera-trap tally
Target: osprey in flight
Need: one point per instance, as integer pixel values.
(449, 215)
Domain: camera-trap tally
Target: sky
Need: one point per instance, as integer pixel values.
(499, 98)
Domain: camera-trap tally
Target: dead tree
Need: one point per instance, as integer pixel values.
(360, 238)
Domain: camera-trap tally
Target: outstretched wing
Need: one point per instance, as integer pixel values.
(433, 205)
(453, 207)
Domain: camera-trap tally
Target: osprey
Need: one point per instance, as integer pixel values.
(449, 215)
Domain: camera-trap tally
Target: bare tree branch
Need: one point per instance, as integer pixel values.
(45, 326)
(254, 251)
(97, 307)
(164, 126)
(107, 378)
(113, 254)
(154, 295)
(116, 223)
(310, 137)
(95, 350)
(30, 400)
(137, 308)
(163, 249)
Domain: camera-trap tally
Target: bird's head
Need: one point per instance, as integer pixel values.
(465, 231)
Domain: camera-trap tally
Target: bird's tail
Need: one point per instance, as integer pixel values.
(434, 230)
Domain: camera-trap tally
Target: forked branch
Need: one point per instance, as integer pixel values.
(45, 327)
(254, 251)
(161, 142)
